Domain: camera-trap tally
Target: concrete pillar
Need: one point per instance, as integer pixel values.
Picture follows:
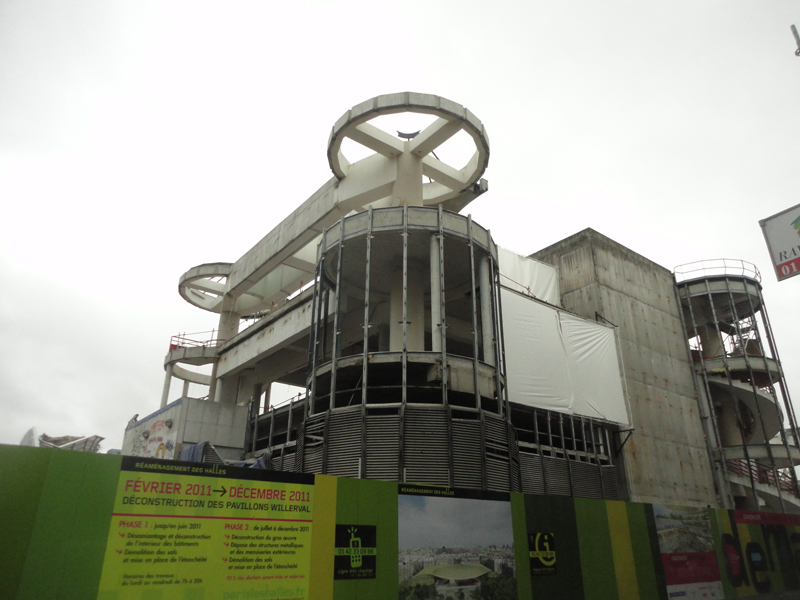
(436, 297)
(710, 341)
(212, 389)
(415, 311)
(227, 390)
(383, 337)
(257, 395)
(228, 325)
(228, 319)
(729, 433)
(167, 382)
(407, 187)
(185, 392)
(487, 327)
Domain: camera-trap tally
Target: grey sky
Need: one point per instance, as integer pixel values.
(453, 522)
(139, 139)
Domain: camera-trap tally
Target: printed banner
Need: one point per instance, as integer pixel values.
(456, 543)
(207, 531)
(687, 552)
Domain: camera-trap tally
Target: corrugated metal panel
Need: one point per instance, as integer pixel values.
(344, 442)
(466, 453)
(586, 480)
(497, 474)
(383, 447)
(289, 461)
(609, 477)
(557, 476)
(314, 430)
(532, 473)
(301, 439)
(513, 453)
(496, 431)
(425, 448)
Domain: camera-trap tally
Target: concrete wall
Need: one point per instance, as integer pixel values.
(666, 459)
(193, 421)
(221, 424)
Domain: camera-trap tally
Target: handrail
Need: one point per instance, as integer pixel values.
(716, 267)
(762, 474)
(177, 342)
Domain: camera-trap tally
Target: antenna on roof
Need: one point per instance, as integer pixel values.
(797, 40)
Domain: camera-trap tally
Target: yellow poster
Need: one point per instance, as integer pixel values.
(201, 531)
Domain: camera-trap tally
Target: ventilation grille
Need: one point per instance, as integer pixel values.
(609, 477)
(556, 473)
(383, 447)
(344, 442)
(313, 432)
(513, 446)
(466, 454)
(532, 474)
(425, 446)
(586, 480)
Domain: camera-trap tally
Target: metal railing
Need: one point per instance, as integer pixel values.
(762, 474)
(177, 342)
(716, 267)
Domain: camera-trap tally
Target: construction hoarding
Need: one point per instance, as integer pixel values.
(88, 526)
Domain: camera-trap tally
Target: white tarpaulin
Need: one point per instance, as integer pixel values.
(559, 361)
(528, 276)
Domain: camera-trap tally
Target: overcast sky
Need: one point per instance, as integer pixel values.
(139, 139)
(428, 522)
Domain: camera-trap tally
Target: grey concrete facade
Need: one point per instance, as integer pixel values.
(666, 460)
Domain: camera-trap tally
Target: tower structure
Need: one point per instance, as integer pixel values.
(405, 377)
(740, 380)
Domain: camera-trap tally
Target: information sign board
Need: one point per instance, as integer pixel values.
(210, 531)
(782, 233)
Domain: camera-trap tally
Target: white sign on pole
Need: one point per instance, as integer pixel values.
(782, 233)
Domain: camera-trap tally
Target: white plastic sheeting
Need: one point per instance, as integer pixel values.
(559, 361)
(528, 276)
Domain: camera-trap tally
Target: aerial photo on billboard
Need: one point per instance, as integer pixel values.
(455, 549)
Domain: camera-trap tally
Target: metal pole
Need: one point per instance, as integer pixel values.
(405, 305)
(336, 316)
(365, 350)
(313, 341)
(288, 433)
(473, 291)
(443, 326)
(735, 401)
(722, 480)
(754, 389)
(539, 446)
(784, 441)
(566, 456)
(271, 429)
(782, 381)
(500, 341)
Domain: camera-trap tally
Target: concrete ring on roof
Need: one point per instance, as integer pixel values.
(204, 285)
(453, 118)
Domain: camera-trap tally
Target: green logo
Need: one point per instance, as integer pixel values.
(355, 552)
(542, 553)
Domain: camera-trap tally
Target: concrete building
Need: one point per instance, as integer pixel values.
(430, 354)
